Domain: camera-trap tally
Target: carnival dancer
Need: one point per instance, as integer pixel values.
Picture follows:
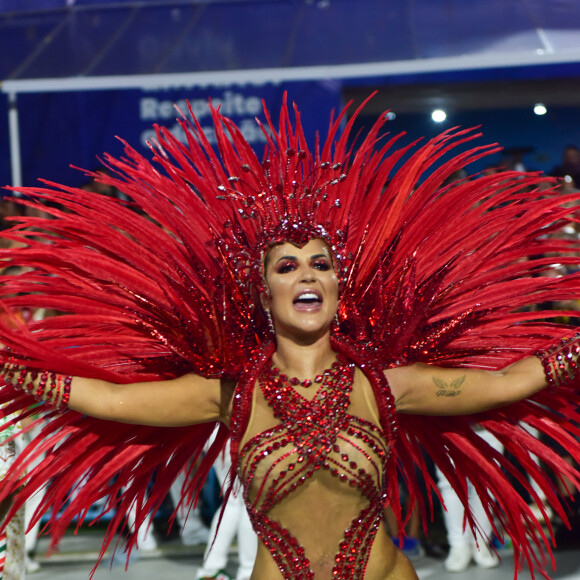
(316, 307)
(14, 561)
(229, 523)
(12, 545)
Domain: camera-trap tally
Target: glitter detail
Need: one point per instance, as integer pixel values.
(296, 382)
(314, 435)
(560, 362)
(51, 388)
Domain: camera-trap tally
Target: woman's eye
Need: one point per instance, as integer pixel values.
(322, 265)
(285, 267)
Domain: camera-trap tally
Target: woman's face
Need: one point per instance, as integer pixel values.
(303, 288)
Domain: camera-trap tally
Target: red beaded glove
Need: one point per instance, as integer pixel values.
(46, 386)
(561, 362)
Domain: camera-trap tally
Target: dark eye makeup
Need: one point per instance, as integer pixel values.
(285, 266)
(289, 266)
(323, 265)
(319, 262)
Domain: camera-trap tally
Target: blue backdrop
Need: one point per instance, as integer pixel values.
(63, 129)
(60, 130)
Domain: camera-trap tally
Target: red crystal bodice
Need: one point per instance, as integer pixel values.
(314, 481)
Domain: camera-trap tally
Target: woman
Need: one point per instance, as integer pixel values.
(302, 300)
(248, 272)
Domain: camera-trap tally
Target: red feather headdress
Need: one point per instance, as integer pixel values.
(166, 284)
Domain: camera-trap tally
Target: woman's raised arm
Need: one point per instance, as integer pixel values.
(429, 390)
(186, 400)
(177, 402)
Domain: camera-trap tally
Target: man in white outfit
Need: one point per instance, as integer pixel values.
(193, 529)
(235, 522)
(463, 546)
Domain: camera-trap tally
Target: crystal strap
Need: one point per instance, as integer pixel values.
(46, 386)
(560, 361)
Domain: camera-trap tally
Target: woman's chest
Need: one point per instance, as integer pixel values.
(326, 438)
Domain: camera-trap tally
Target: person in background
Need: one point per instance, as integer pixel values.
(12, 541)
(12, 544)
(569, 168)
(228, 524)
(464, 546)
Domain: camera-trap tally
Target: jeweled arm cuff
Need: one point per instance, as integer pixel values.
(46, 386)
(561, 362)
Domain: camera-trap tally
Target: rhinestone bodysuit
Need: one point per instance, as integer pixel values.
(314, 482)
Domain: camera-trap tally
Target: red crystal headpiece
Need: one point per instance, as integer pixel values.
(290, 196)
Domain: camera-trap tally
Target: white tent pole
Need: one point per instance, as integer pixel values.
(14, 132)
(303, 73)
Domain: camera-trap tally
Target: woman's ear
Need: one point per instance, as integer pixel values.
(265, 300)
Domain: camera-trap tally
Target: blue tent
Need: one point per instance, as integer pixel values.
(88, 46)
(89, 43)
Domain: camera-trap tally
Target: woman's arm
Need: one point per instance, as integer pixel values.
(429, 390)
(183, 401)
(171, 403)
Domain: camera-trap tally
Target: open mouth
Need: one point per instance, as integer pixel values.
(308, 300)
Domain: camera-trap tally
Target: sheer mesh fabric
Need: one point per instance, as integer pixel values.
(313, 472)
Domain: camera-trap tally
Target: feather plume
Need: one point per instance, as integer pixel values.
(452, 274)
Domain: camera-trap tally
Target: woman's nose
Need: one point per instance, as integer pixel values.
(307, 275)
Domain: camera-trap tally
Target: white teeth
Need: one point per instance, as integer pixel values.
(308, 296)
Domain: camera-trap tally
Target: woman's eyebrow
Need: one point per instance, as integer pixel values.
(286, 258)
(295, 259)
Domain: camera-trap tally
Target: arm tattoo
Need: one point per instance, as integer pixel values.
(448, 390)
